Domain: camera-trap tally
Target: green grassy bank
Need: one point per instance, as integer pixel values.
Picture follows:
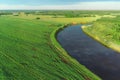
(106, 31)
(84, 72)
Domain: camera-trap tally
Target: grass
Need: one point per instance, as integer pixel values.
(59, 19)
(106, 31)
(29, 51)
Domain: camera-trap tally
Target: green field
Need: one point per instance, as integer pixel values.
(107, 31)
(29, 51)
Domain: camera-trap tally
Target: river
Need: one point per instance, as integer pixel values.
(101, 60)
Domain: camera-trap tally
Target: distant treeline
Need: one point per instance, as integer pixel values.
(66, 13)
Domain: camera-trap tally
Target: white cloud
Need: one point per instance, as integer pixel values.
(78, 6)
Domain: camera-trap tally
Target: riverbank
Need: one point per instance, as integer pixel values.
(108, 44)
(82, 70)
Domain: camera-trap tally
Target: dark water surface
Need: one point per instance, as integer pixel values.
(99, 59)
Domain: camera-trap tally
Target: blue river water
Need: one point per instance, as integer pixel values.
(101, 60)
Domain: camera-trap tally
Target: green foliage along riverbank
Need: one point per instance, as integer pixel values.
(107, 31)
(28, 52)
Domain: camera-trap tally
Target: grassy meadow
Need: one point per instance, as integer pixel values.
(29, 50)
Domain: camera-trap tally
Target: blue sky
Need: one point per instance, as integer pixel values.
(60, 4)
(47, 2)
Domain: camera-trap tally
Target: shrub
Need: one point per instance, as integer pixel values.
(37, 18)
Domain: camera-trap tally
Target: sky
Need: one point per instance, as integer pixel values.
(60, 4)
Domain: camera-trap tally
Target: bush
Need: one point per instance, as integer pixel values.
(37, 18)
